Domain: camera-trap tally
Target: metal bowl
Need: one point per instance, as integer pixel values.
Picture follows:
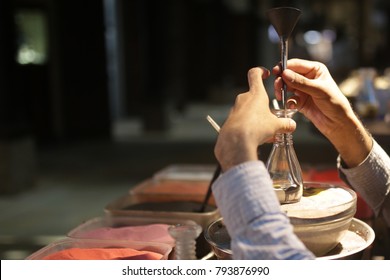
(320, 219)
(218, 237)
(358, 238)
(351, 247)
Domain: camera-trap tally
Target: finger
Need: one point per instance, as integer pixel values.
(301, 66)
(300, 83)
(266, 73)
(278, 88)
(255, 78)
(277, 69)
(292, 102)
(278, 95)
(304, 67)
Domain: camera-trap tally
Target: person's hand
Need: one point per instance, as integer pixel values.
(321, 101)
(249, 124)
(318, 96)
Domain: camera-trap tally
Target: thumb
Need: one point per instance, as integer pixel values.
(286, 125)
(255, 78)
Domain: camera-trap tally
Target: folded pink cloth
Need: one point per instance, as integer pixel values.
(146, 233)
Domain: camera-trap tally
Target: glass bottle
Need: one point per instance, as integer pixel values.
(185, 240)
(283, 165)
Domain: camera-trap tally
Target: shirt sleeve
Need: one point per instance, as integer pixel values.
(371, 179)
(258, 228)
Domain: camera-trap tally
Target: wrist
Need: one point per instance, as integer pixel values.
(237, 160)
(352, 141)
(232, 153)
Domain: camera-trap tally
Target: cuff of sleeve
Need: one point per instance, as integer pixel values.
(243, 194)
(362, 177)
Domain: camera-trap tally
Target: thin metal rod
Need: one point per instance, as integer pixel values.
(217, 171)
(206, 199)
(284, 57)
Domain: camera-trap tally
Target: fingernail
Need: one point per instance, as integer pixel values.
(292, 103)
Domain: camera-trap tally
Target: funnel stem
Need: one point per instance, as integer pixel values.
(284, 57)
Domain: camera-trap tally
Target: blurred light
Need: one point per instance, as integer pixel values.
(382, 83)
(32, 36)
(273, 35)
(312, 37)
(27, 55)
(320, 44)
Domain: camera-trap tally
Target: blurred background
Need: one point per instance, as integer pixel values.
(96, 96)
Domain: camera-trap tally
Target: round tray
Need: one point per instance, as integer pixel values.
(358, 238)
(351, 247)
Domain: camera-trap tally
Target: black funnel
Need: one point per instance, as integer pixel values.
(284, 19)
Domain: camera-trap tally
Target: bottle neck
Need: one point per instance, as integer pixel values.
(284, 138)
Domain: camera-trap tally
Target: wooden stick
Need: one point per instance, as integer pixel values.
(213, 123)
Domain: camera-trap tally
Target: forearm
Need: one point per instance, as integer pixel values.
(252, 215)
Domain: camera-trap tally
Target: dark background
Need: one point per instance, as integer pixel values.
(165, 53)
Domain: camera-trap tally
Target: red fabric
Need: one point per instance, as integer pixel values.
(103, 254)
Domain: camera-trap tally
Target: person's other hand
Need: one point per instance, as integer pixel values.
(249, 124)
